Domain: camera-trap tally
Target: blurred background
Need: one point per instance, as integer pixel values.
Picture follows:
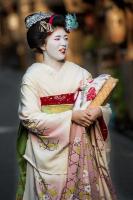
(103, 43)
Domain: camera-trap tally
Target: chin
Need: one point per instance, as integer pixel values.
(61, 59)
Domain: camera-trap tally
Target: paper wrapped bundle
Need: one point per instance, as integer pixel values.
(95, 92)
(104, 92)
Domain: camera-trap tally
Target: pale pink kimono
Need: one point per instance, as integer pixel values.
(64, 161)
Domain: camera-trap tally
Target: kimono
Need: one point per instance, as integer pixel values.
(51, 165)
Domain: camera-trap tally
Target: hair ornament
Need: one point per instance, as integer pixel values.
(32, 19)
(71, 22)
(52, 18)
(46, 26)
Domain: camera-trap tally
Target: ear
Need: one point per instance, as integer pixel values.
(43, 47)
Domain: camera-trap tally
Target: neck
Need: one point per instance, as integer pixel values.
(52, 62)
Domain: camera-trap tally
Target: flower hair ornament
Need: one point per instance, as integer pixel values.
(71, 21)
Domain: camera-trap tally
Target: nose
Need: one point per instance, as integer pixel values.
(64, 42)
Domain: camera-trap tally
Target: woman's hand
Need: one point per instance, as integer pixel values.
(82, 118)
(86, 117)
(94, 113)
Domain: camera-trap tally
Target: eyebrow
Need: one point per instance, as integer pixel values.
(60, 36)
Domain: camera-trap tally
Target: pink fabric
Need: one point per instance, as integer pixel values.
(88, 176)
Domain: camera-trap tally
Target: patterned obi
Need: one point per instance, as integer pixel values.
(57, 103)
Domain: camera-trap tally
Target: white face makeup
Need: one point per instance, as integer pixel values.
(57, 44)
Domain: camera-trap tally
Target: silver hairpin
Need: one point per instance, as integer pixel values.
(36, 17)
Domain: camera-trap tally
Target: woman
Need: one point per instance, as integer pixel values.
(48, 94)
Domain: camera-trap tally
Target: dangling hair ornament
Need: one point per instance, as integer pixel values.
(46, 26)
(71, 22)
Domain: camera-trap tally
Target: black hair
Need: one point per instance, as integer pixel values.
(36, 38)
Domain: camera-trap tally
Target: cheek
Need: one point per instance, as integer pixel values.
(52, 45)
(52, 48)
(53, 52)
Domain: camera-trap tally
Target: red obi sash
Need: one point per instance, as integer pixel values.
(68, 98)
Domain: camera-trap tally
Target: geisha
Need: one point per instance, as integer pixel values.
(54, 163)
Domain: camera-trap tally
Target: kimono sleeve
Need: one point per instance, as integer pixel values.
(106, 112)
(34, 119)
(86, 75)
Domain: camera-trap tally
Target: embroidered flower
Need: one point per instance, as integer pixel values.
(91, 94)
(73, 197)
(90, 81)
(97, 186)
(47, 144)
(77, 141)
(87, 188)
(47, 197)
(85, 173)
(83, 84)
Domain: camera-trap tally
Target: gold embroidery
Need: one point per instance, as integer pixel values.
(50, 145)
(56, 108)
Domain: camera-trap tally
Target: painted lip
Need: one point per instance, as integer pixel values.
(62, 50)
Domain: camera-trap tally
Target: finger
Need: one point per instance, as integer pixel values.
(86, 125)
(87, 122)
(83, 123)
(93, 118)
(88, 118)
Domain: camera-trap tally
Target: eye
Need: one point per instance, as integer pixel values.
(66, 38)
(57, 39)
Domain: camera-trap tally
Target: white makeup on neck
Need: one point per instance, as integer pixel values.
(56, 48)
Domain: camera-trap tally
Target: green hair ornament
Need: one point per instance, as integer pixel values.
(71, 22)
